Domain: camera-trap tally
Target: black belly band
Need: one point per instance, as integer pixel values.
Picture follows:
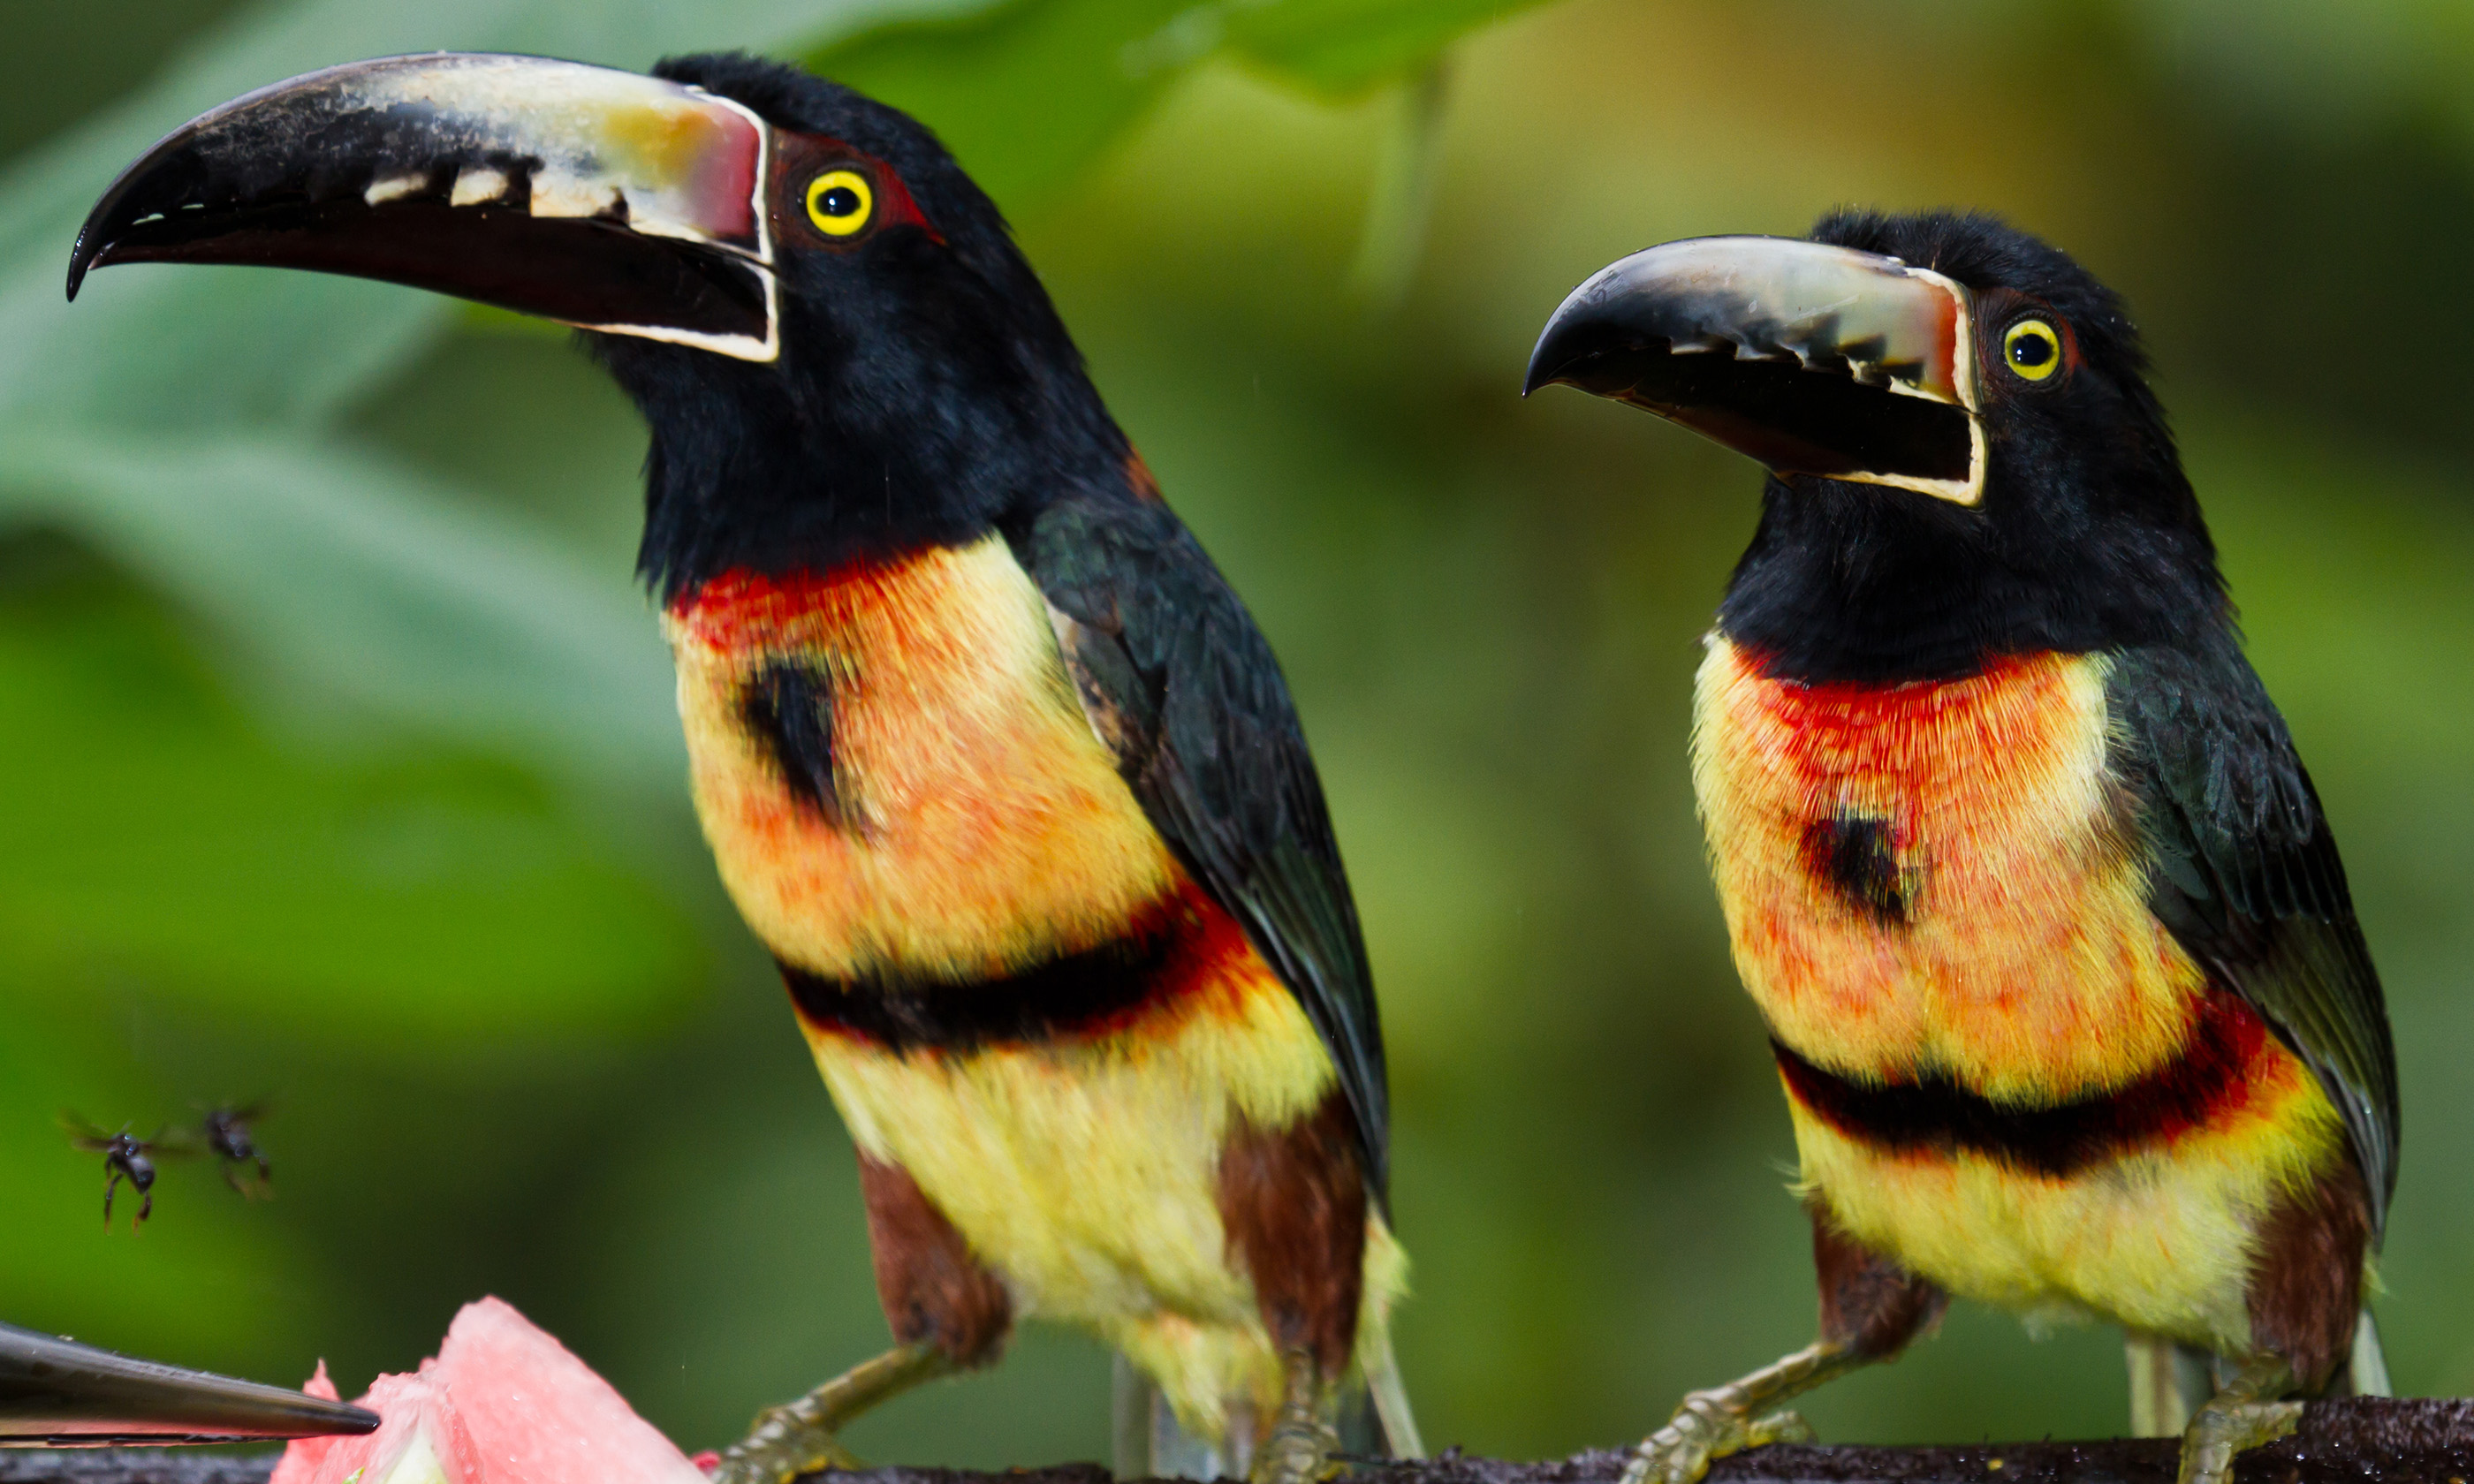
(1075, 995)
(2205, 1081)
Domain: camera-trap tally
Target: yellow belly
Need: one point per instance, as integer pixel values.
(985, 828)
(1084, 1174)
(2024, 965)
(2160, 1240)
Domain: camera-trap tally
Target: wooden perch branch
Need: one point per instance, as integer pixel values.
(2352, 1442)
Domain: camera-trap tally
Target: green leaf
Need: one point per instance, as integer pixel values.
(380, 586)
(1340, 45)
(161, 840)
(1027, 95)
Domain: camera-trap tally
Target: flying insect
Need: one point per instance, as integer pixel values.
(226, 1133)
(125, 1156)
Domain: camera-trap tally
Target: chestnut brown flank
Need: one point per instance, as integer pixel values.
(930, 1284)
(1867, 1301)
(1293, 1202)
(2306, 1285)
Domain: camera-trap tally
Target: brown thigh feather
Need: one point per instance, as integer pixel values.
(1869, 1303)
(931, 1287)
(2305, 1284)
(1293, 1201)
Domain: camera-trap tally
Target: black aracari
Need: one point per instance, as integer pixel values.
(2018, 859)
(990, 757)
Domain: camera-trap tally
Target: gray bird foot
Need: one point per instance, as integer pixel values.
(1707, 1426)
(1301, 1448)
(2221, 1431)
(798, 1437)
(779, 1449)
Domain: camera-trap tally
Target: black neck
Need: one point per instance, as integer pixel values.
(1863, 583)
(831, 459)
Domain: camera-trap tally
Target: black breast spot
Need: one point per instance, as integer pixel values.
(788, 708)
(1855, 855)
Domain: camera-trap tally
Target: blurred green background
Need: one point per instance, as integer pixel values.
(344, 765)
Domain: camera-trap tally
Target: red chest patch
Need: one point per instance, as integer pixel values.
(1939, 879)
(976, 823)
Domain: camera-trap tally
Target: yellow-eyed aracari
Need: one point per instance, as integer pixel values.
(56, 1393)
(2018, 860)
(991, 759)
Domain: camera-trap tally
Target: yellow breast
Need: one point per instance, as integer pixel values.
(984, 823)
(1938, 878)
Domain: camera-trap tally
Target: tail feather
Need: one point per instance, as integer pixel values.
(2169, 1381)
(2370, 1365)
(1150, 1442)
(1392, 1400)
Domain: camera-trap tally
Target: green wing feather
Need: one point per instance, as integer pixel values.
(1208, 738)
(2247, 876)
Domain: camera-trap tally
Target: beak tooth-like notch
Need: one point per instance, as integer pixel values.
(1812, 359)
(599, 197)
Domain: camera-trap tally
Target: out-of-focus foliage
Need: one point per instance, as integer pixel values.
(1084, 69)
(345, 767)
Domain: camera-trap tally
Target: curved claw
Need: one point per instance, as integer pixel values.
(2220, 1431)
(799, 1437)
(782, 1446)
(1786, 1424)
(1707, 1426)
(1301, 1449)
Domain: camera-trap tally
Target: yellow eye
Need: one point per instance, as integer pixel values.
(840, 202)
(2031, 349)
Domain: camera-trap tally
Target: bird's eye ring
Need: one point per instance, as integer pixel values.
(840, 201)
(2032, 349)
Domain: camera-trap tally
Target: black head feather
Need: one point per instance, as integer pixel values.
(2088, 537)
(926, 390)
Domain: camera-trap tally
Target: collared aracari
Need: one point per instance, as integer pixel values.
(2017, 859)
(56, 1393)
(991, 757)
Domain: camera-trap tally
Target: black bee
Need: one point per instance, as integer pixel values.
(125, 1156)
(227, 1134)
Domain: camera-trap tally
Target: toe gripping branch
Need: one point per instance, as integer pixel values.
(798, 1438)
(1744, 1413)
(1303, 1444)
(2243, 1416)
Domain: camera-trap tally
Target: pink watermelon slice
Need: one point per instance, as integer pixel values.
(502, 1403)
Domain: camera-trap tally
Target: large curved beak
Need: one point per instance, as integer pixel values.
(603, 199)
(1812, 359)
(55, 1393)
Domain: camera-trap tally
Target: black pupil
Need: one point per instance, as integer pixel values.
(2032, 349)
(840, 201)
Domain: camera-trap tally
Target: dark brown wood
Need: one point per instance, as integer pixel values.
(135, 1466)
(2348, 1442)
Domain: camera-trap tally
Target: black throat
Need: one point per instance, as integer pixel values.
(1869, 584)
(832, 458)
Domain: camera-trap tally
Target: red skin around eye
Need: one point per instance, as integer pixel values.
(803, 156)
(894, 205)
